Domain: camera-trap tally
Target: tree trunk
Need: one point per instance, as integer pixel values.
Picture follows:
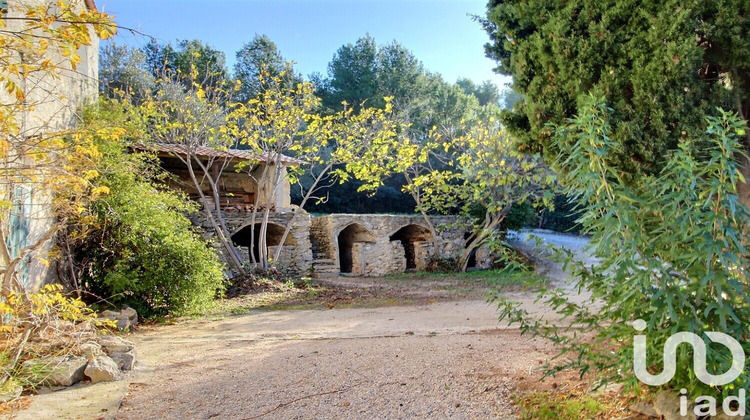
(213, 179)
(491, 222)
(290, 225)
(220, 234)
(254, 215)
(262, 241)
(418, 201)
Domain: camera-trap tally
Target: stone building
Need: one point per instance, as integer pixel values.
(239, 192)
(354, 244)
(379, 244)
(52, 101)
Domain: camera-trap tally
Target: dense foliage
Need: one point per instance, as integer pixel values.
(661, 65)
(260, 55)
(135, 245)
(185, 57)
(668, 251)
(365, 73)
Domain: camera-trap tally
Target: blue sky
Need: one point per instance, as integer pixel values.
(439, 32)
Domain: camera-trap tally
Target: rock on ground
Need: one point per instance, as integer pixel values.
(113, 344)
(91, 350)
(63, 370)
(125, 319)
(125, 360)
(103, 369)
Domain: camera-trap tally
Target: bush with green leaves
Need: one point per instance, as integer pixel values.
(135, 244)
(669, 250)
(561, 218)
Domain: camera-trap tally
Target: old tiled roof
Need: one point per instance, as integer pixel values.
(203, 151)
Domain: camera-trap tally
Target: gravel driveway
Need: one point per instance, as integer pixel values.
(446, 359)
(438, 360)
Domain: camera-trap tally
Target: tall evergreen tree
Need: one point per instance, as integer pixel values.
(663, 66)
(208, 62)
(260, 53)
(353, 75)
(487, 93)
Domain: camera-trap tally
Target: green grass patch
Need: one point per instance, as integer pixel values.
(556, 406)
(491, 278)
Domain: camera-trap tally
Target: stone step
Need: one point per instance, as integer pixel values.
(326, 269)
(325, 266)
(323, 261)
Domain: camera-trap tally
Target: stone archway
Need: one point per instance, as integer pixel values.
(410, 236)
(347, 238)
(246, 238)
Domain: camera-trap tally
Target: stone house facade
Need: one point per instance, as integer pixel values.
(55, 99)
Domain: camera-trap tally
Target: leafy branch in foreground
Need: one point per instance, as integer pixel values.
(668, 250)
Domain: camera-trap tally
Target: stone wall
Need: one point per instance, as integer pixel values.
(356, 244)
(296, 255)
(379, 242)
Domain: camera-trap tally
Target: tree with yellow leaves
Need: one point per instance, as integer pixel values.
(283, 120)
(47, 164)
(191, 115)
(473, 170)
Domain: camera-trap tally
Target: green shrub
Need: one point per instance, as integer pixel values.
(521, 215)
(669, 249)
(562, 218)
(136, 246)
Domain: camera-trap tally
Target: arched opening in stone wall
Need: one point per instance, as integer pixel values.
(245, 238)
(472, 262)
(346, 239)
(409, 236)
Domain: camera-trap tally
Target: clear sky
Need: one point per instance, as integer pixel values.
(439, 32)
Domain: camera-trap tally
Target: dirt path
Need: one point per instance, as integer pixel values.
(446, 359)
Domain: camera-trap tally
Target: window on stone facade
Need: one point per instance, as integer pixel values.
(19, 226)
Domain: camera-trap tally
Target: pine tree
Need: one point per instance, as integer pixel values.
(663, 66)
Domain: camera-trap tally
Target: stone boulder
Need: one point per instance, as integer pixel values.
(125, 319)
(103, 369)
(60, 370)
(644, 409)
(131, 314)
(113, 344)
(91, 350)
(667, 406)
(125, 360)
